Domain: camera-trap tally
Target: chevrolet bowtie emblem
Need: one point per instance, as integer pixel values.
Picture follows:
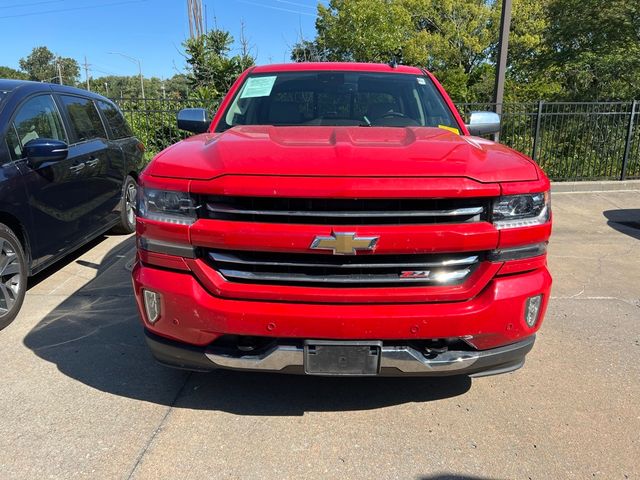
(344, 243)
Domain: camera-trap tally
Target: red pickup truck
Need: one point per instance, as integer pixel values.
(341, 219)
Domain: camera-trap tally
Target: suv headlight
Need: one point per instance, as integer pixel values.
(166, 206)
(522, 210)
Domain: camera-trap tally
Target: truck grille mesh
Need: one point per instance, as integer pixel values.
(343, 271)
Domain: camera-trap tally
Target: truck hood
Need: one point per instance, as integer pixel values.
(341, 152)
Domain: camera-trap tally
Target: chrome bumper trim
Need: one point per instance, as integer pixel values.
(404, 359)
(410, 360)
(274, 359)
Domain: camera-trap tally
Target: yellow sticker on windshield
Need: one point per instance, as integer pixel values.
(450, 129)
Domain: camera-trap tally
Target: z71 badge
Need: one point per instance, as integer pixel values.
(415, 274)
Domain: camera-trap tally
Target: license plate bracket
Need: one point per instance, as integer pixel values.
(342, 358)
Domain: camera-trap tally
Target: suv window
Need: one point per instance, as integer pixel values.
(116, 121)
(84, 117)
(38, 117)
(15, 149)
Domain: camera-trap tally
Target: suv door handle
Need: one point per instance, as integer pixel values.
(77, 168)
(93, 162)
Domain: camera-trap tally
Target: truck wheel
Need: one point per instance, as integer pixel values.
(127, 222)
(13, 276)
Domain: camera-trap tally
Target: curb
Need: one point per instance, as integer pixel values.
(598, 186)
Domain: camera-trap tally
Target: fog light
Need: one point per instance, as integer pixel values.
(152, 305)
(532, 310)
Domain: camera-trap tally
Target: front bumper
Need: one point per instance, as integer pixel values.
(492, 322)
(191, 314)
(394, 360)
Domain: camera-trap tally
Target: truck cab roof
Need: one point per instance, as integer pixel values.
(337, 66)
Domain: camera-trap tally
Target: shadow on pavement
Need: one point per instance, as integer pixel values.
(60, 264)
(95, 337)
(626, 221)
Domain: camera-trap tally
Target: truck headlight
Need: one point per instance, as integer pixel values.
(166, 206)
(522, 210)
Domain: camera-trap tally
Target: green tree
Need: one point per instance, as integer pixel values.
(528, 78)
(44, 66)
(453, 39)
(178, 86)
(119, 86)
(211, 67)
(8, 72)
(595, 49)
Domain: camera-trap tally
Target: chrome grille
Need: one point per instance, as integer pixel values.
(343, 271)
(345, 211)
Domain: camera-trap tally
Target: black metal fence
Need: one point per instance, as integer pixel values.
(574, 140)
(571, 141)
(153, 120)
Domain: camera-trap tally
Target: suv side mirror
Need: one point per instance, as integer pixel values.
(195, 120)
(483, 123)
(41, 150)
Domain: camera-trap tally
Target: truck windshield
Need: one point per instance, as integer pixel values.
(338, 99)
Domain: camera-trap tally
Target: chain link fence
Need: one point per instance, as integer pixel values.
(570, 140)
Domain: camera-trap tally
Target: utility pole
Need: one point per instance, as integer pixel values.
(86, 73)
(196, 23)
(141, 78)
(503, 49)
(59, 71)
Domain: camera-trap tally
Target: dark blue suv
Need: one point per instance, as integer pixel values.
(68, 170)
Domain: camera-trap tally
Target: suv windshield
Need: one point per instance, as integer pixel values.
(338, 99)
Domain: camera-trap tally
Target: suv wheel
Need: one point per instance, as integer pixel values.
(13, 276)
(127, 207)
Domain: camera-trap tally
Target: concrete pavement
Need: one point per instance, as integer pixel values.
(81, 397)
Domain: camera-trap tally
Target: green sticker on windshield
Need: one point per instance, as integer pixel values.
(258, 87)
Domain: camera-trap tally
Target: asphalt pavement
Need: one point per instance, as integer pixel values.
(81, 397)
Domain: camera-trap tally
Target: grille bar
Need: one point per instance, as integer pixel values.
(344, 279)
(342, 271)
(345, 211)
(457, 212)
(339, 263)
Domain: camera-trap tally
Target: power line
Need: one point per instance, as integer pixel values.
(273, 7)
(111, 74)
(59, 10)
(18, 5)
(102, 69)
(296, 4)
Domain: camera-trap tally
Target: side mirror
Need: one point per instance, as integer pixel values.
(41, 150)
(195, 120)
(483, 123)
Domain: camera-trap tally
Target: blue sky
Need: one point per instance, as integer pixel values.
(151, 30)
